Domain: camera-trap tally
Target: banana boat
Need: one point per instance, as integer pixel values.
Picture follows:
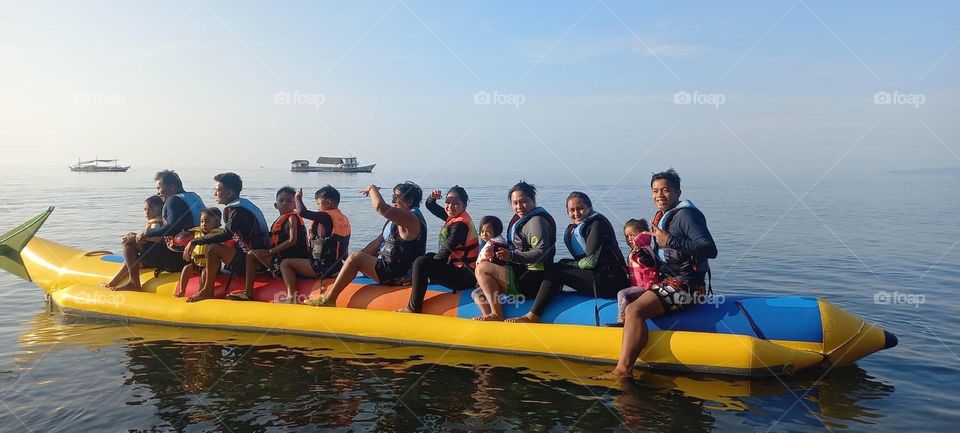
(739, 335)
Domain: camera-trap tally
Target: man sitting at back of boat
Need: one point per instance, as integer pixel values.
(329, 241)
(181, 211)
(684, 244)
(244, 223)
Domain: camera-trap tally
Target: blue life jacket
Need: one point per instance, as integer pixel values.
(575, 240)
(194, 203)
(264, 241)
(516, 242)
(665, 254)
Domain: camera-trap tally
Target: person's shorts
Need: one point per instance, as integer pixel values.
(156, 255)
(239, 263)
(324, 270)
(522, 280)
(392, 274)
(675, 295)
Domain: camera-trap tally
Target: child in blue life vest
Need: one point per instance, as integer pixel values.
(209, 225)
(641, 264)
(491, 239)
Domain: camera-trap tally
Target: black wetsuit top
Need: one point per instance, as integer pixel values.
(239, 222)
(176, 217)
(457, 233)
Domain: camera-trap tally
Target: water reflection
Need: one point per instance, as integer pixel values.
(210, 379)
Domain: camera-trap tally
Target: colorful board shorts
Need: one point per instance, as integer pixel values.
(676, 295)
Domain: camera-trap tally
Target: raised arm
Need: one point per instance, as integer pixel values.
(433, 207)
(407, 221)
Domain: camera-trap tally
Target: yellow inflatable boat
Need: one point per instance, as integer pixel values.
(744, 335)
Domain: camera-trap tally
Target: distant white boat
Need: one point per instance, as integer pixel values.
(99, 166)
(332, 164)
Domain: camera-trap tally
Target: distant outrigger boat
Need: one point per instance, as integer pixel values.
(94, 166)
(332, 164)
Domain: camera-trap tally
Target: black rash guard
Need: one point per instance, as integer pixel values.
(176, 217)
(238, 221)
(457, 233)
(324, 220)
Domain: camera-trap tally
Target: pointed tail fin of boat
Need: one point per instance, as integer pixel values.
(13, 241)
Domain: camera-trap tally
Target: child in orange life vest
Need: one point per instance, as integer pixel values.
(209, 225)
(153, 212)
(641, 264)
(491, 230)
(288, 239)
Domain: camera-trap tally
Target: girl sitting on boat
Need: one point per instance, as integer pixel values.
(532, 238)
(209, 225)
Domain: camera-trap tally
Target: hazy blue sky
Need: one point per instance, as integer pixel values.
(596, 87)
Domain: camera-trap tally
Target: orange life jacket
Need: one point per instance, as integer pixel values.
(331, 246)
(278, 235)
(464, 254)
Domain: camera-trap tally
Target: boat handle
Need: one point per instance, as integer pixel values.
(98, 253)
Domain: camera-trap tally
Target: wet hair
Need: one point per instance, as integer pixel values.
(670, 176)
(494, 223)
(640, 225)
(524, 187)
(328, 192)
(409, 191)
(460, 192)
(212, 212)
(154, 201)
(169, 177)
(286, 190)
(230, 180)
(581, 196)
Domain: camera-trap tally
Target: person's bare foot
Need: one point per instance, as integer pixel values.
(129, 287)
(526, 318)
(179, 293)
(201, 295)
(403, 310)
(489, 318)
(322, 301)
(615, 374)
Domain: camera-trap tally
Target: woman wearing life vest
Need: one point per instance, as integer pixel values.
(388, 258)
(455, 260)
(532, 239)
(598, 267)
(329, 240)
(683, 246)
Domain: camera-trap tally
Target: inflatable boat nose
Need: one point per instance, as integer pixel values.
(889, 340)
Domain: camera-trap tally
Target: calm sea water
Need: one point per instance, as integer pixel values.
(849, 239)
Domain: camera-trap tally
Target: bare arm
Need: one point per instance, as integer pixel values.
(407, 221)
(373, 248)
(291, 237)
